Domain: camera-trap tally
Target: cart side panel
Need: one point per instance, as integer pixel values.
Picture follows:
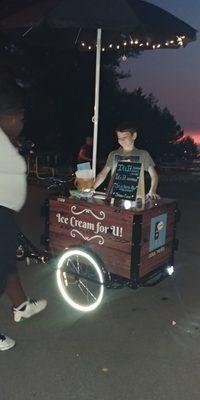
(104, 229)
(157, 241)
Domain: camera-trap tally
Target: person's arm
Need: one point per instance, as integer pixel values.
(101, 176)
(11, 162)
(154, 183)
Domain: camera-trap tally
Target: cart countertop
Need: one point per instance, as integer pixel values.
(118, 205)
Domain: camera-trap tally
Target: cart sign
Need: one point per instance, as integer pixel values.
(88, 225)
(158, 232)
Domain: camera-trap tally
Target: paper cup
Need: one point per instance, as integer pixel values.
(83, 184)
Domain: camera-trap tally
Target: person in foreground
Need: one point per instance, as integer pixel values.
(12, 199)
(126, 136)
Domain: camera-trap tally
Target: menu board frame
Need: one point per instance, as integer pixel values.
(127, 183)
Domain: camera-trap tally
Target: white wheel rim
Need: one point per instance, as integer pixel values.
(75, 305)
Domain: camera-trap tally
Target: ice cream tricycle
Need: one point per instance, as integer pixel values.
(109, 240)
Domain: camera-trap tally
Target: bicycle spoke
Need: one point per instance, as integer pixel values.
(70, 261)
(85, 287)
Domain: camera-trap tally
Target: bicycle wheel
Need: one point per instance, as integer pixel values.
(80, 279)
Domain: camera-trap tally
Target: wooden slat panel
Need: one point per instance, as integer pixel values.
(151, 261)
(115, 251)
(114, 261)
(117, 262)
(149, 264)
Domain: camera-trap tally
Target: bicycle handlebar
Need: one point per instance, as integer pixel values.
(59, 182)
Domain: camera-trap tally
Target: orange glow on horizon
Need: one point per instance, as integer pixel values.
(194, 135)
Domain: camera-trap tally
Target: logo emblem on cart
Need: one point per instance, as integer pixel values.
(158, 232)
(74, 232)
(101, 215)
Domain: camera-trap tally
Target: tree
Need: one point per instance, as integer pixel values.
(157, 128)
(59, 87)
(185, 149)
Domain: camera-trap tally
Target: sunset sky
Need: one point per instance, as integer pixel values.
(173, 76)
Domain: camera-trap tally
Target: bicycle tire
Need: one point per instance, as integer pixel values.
(80, 279)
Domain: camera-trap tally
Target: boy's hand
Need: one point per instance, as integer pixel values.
(152, 195)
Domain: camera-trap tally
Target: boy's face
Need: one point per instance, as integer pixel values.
(126, 139)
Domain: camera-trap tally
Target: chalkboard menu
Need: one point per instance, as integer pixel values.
(126, 180)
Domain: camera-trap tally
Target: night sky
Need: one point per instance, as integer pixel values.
(173, 76)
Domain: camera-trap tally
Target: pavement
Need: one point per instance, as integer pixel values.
(139, 344)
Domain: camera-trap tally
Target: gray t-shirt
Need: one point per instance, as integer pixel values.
(135, 155)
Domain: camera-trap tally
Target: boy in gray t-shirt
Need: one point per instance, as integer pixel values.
(127, 151)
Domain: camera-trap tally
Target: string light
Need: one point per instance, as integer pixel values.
(124, 58)
(179, 41)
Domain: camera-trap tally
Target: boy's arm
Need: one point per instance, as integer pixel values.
(154, 183)
(101, 176)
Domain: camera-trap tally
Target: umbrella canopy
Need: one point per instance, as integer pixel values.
(138, 20)
(128, 25)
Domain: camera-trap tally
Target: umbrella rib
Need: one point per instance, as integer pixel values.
(78, 34)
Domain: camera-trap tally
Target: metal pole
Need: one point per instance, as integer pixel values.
(96, 104)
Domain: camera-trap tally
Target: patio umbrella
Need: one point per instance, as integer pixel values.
(127, 25)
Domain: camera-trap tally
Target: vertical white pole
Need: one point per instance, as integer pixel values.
(96, 104)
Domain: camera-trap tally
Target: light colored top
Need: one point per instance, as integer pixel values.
(135, 155)
(13, 184)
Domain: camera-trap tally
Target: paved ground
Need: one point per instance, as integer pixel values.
(128, 348)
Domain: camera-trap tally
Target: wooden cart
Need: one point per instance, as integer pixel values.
(131, 244)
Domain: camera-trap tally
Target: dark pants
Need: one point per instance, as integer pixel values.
(8, 245)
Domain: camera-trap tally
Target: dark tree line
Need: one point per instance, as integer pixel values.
(59, 89)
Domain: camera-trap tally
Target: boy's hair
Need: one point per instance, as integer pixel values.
(126, 127)
(11, 101)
